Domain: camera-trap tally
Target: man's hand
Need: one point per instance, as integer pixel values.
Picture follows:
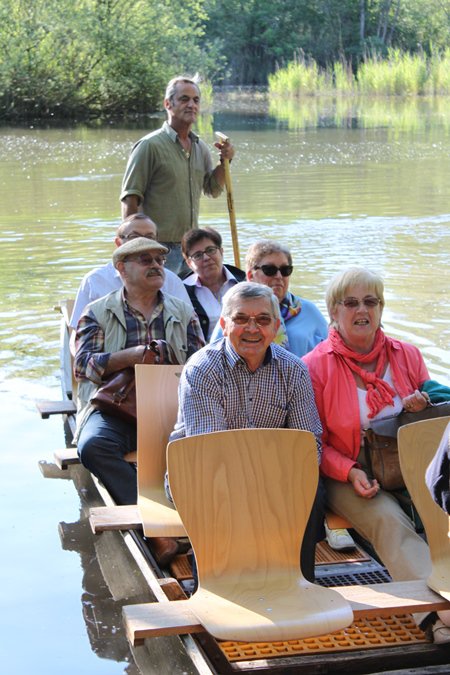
(362, 485)
(226, 149)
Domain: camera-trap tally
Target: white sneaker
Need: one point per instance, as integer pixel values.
(441, 632)
(339, 540)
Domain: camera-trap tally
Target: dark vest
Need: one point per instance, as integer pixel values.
(238, 274)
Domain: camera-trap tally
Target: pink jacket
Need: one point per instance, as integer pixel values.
(337, 400)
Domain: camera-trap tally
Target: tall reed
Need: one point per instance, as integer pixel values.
(399, 74)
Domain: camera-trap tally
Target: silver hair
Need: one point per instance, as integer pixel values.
(172, 86)
(248, 290)
(263, 247)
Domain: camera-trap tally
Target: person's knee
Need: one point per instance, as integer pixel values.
(88, 451)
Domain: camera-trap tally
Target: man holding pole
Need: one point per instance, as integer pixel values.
(169, 168)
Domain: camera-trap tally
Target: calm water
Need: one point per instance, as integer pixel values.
(341, 183)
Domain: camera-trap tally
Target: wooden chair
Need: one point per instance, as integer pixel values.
(244, 497)
(417, 444)
(157, 407)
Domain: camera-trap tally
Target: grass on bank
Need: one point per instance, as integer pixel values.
(400, 74)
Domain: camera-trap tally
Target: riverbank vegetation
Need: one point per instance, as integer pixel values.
(399, 74)
(113, 57)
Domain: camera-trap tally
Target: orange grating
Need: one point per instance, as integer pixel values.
(362, 634)
(325, 555)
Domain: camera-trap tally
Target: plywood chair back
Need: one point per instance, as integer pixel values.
(157, 407)
(417, 445)
(244, 497)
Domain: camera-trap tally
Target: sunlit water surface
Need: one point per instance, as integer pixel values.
(367, 186)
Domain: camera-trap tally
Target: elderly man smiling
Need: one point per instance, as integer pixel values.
(245, 380)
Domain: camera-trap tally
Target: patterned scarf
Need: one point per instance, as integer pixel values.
(379, 392)
(290, 306)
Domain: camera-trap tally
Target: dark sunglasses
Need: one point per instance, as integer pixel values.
(271, 270)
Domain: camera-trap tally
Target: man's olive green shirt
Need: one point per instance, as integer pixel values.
(169, 181)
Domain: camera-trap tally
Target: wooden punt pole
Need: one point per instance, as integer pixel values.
(230, 202)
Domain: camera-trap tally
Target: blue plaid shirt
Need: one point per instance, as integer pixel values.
(219, 392)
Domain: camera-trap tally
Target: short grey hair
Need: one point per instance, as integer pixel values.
(248, 290)
(172, 86)
(352, 276)
(261, 248)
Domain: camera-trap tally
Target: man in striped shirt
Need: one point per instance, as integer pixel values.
(245, 380)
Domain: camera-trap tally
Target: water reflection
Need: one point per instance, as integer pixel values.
(398, 114)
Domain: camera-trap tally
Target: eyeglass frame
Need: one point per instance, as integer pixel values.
(369, 302)
(253, 318)
(199, 255)
(284, 270)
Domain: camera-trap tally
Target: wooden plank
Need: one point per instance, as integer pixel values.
(387, 598)
(66, 457)
(104, 518)
(155, 619)
(47, 408)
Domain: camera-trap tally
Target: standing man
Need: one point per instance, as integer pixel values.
(245, 381)
(169, 168)
(103, 280)
(113, 333)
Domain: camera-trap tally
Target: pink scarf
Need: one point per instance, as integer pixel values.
(379, 392)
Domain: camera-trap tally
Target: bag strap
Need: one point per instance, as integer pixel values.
(159, 351)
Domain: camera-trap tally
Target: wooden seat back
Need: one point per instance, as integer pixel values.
(244, 497)
(417, 444)
(157, 407)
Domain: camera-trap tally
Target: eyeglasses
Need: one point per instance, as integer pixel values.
(209, 251)
(353, 303)
(244, 319)
(271, 270)
(136, 235)
(147, 260)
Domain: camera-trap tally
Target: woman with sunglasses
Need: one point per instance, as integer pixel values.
(360, 374)
(302, 325)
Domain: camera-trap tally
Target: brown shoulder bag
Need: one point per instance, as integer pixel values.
(117, 395)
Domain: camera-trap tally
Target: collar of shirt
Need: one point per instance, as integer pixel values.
(194, 279)
(233, 358)
(173, 134)
(135, 312)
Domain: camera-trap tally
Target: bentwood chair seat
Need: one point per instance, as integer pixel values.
(244, 497)
(417, 444)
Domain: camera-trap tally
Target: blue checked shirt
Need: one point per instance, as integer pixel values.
(218, 392)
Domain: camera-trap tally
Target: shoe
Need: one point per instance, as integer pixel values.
(339, 540)
(440, 632)
(164, 549)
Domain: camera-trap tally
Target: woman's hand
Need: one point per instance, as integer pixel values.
(415, 402)
(361, 484)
